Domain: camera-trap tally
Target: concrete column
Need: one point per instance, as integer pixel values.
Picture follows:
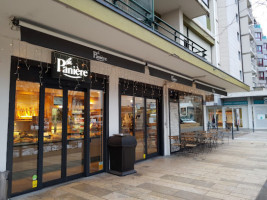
(223, 116)
(5, 63)
(250, 117)
(114, 115)
(205, 114)
(166, 120)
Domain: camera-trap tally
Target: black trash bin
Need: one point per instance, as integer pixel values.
(122, 154)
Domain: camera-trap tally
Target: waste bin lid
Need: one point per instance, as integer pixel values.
(122, 140)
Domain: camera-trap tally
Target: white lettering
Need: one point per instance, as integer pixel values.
(69, 70)
(97, 56)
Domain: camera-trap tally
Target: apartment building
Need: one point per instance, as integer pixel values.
(74, 73)
(261, 50)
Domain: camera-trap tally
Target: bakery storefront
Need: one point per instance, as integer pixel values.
(57, 122)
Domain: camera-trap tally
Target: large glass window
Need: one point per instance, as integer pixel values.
(96, 130)
(26, 127)
(191, 112)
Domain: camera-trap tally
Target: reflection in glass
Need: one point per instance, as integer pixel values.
(52, 134)
(152, 126)
(191, 113)
(96, 130)
(127, 114)
(75, 133)
(26, 126)
(139, 128)
(215, 118)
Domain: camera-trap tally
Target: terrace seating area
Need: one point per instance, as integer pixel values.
(200, 141)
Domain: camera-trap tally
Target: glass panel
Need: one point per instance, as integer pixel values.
(75, 133)
(52, 134)
(191, 113)
(26, 126)
(152, 126)
(139, 128)
(96, 130)
(127, 114)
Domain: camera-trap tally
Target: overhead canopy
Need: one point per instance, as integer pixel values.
(84, 22)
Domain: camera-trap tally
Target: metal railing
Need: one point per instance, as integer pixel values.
(148, 18)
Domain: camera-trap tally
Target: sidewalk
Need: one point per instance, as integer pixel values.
(234, 171)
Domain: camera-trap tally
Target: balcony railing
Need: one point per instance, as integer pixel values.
(148, 18)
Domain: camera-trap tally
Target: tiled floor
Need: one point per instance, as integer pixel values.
(234, 171)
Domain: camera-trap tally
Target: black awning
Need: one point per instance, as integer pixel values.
(169, 76)
(51, 42)
(210, 89)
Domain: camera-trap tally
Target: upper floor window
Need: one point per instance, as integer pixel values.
(239, 55)
(237, 35)
(265, 56)
(236, 17)
(259, 49)
(260, 62)
(257, 35)
(265, 46)
(261, 75)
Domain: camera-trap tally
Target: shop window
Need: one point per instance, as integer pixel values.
(26, 127)
(191, 112)
(259, 49)
(96, 130)
(210, 98)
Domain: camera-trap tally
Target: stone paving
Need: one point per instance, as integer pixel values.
(234, 171)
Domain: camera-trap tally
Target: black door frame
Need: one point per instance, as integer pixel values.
(64, 140)
(130, 88)
(30, 70)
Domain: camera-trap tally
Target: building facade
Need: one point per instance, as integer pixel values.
(89, 69)
(261, 47)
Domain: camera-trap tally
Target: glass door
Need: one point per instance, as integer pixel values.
(75, 133)
(52, 137)
(140, 128)
(152, 126)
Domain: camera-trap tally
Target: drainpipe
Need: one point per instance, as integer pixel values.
(241, 51)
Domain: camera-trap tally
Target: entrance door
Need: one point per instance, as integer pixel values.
(139, 117)
(63, 148)
(152, 126)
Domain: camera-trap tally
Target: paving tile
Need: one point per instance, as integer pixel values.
(234, 171)
(96, 191)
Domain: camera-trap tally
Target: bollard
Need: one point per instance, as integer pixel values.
(253, 126)
(3, 185)
(233, 131)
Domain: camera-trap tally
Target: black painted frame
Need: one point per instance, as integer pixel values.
(132, 91)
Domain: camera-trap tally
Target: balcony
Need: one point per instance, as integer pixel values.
(251, 33)
(250, 16)
(145, 14)
(190, 8)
